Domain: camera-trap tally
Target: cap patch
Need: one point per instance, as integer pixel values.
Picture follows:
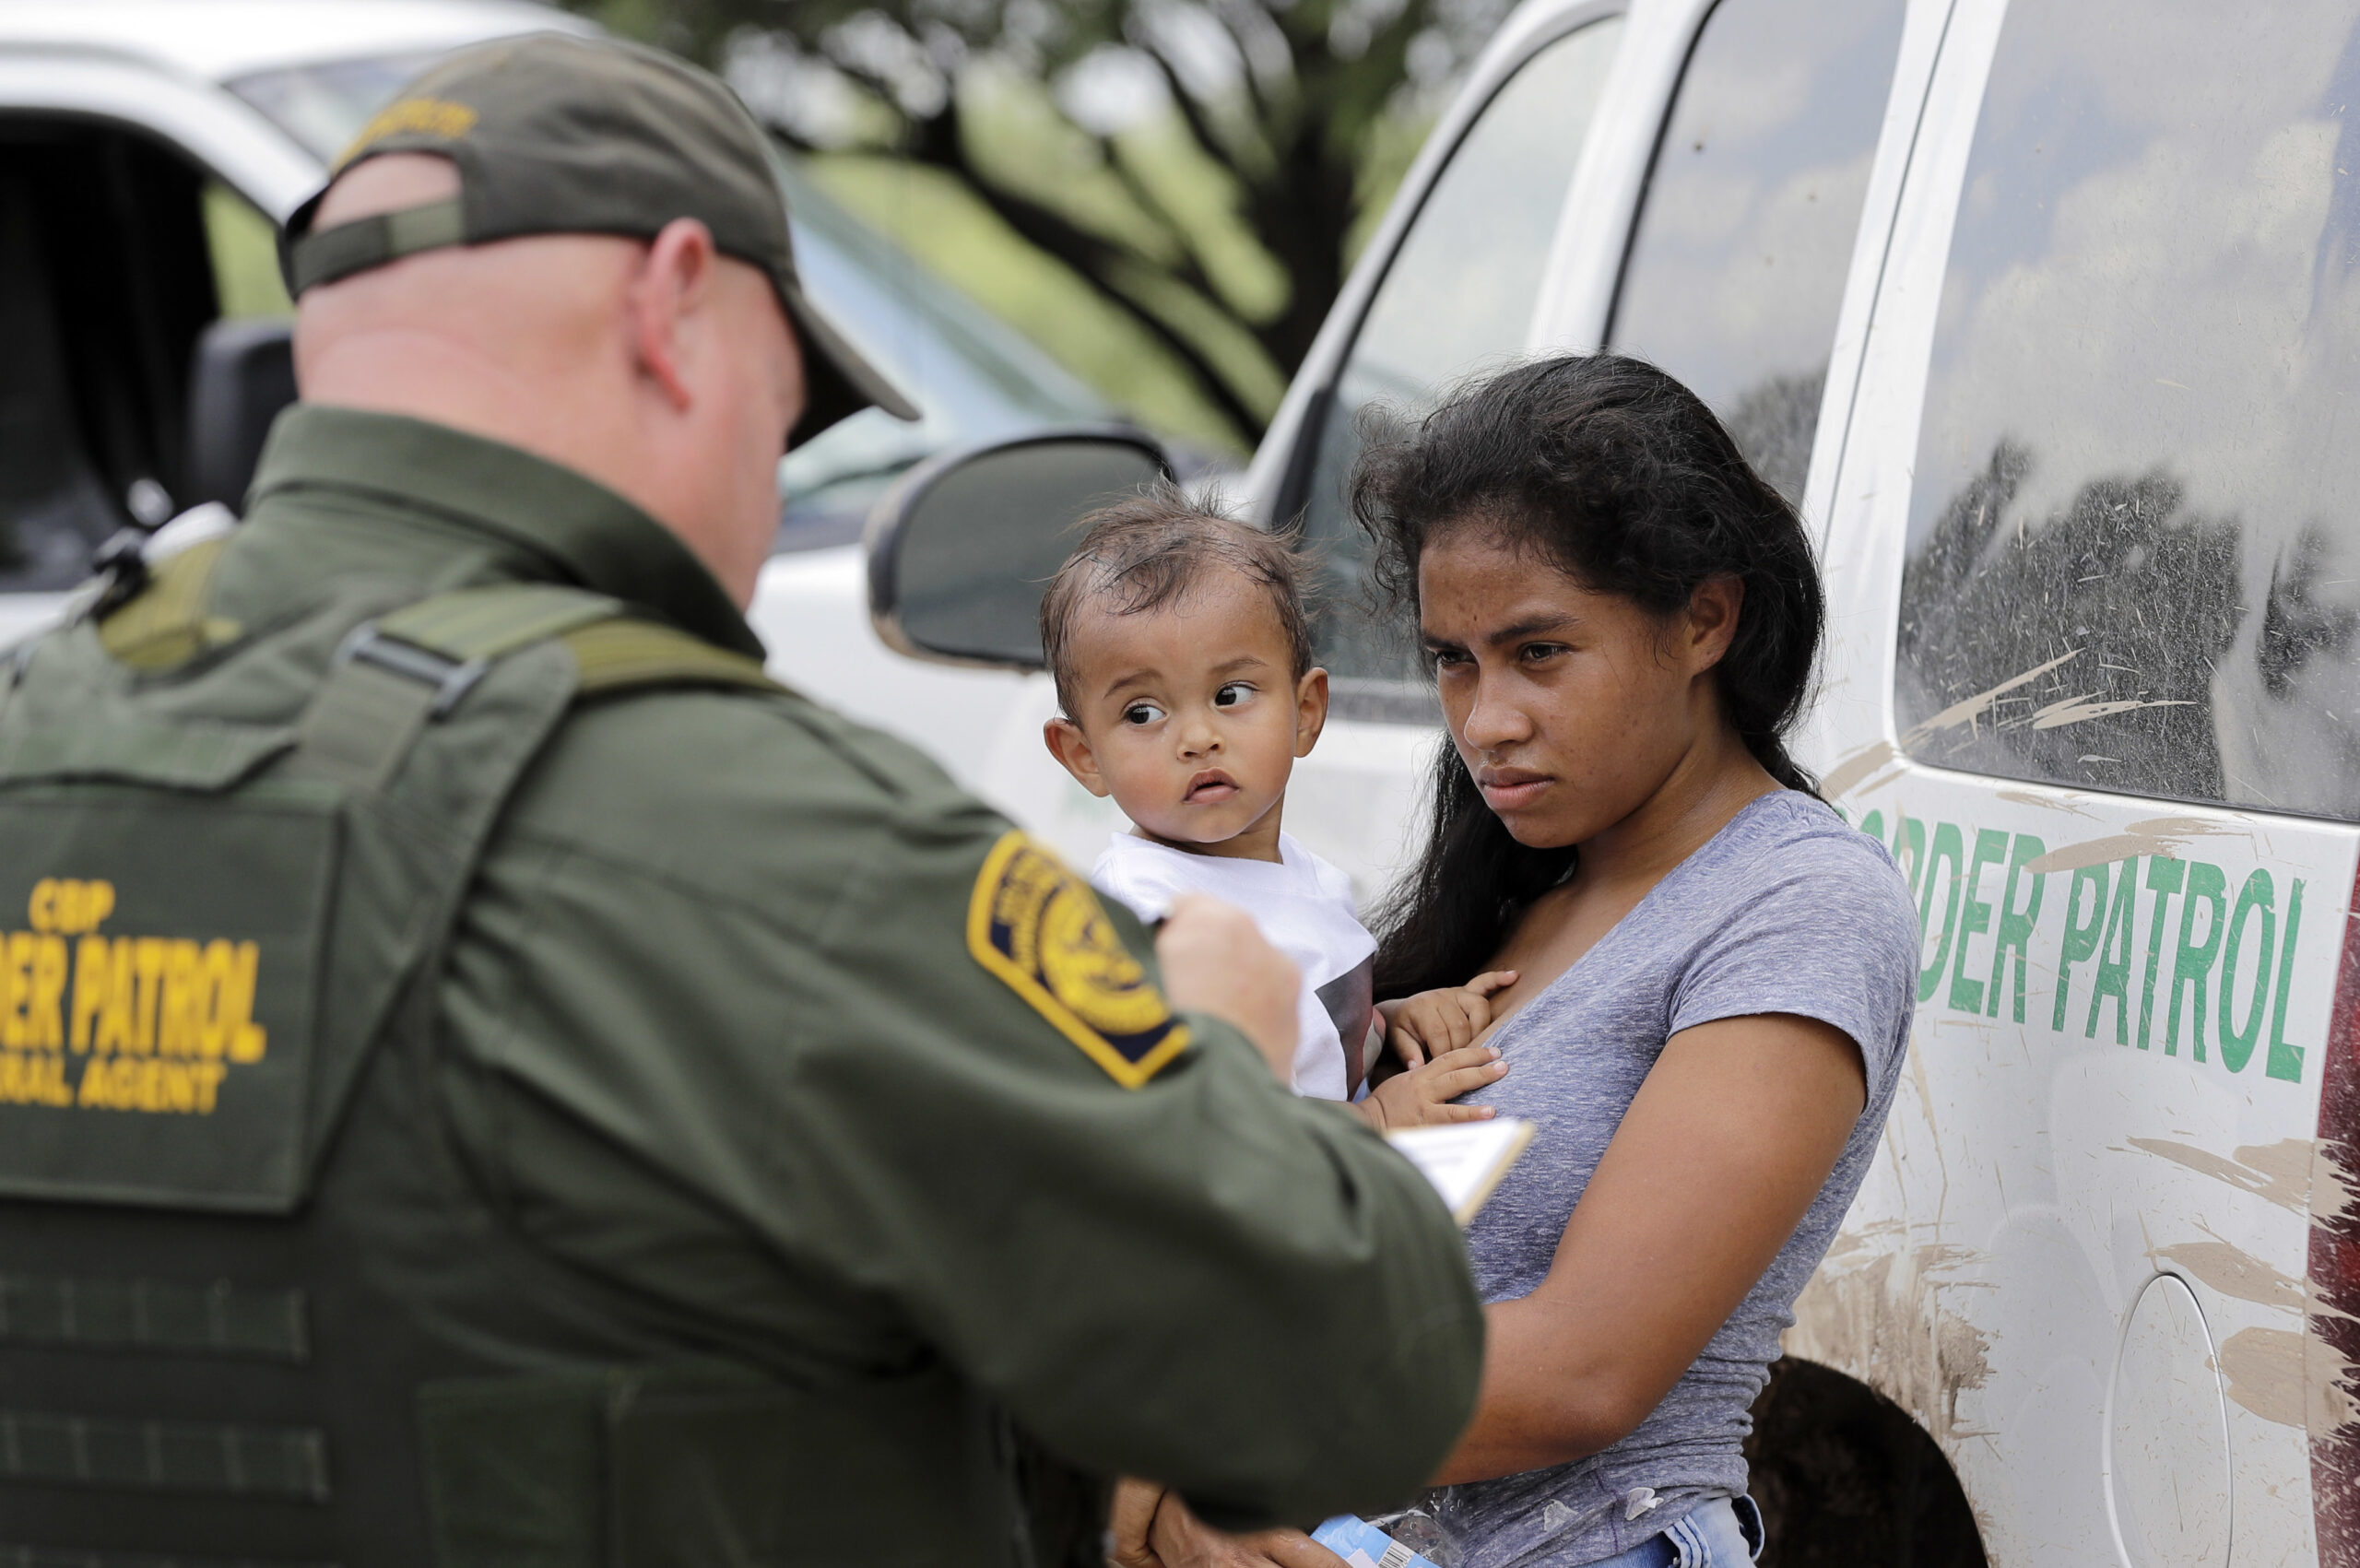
(418, 116)
(1041, 931)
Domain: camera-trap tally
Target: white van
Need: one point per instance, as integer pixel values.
(2044, 312)
(2048, 312)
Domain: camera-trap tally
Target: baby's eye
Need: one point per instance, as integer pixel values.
(1231, 695)
(1142, 713)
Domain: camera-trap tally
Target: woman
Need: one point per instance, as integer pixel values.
(1715, 973)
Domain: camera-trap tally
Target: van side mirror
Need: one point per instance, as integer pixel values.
(242, 375)
(962, 549)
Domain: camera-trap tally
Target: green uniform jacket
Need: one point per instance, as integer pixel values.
(720, 1039)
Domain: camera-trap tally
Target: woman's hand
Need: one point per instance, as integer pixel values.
(1422, 1096)
(1180, 1539)
(1427, 1025)
(1717, 1159)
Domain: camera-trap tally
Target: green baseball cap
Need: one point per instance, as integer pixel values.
(554, 133)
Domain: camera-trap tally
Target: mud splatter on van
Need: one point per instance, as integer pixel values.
(2232, 1271)
(1883, 1323)
(2155, 836)
(2277, 1172)
(2282, 1376)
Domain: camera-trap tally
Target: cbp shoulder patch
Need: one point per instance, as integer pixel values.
(1041, 929)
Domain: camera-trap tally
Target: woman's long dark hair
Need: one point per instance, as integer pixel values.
(1621, 477)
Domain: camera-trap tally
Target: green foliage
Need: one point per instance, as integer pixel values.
(244, 250)
(1165, 193)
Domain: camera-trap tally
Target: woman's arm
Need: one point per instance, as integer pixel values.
(1718, 1158)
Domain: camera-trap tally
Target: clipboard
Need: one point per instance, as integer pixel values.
(1465, 1160)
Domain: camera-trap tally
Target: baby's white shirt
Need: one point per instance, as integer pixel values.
(1304, 909)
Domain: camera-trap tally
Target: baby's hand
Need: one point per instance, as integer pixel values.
(1420, 1097)
(1425, 1026)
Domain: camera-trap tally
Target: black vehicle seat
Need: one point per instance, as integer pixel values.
(242, 375)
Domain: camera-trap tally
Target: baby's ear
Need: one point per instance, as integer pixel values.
(1311, 710)
(1071, 749)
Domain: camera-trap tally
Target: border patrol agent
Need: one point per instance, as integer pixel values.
(488, 1076)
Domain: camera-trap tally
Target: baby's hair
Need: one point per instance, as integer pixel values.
(1147, 550)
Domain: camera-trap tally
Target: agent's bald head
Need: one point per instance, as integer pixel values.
(662, 369)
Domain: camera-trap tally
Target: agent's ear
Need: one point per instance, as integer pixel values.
(674, 280)
(1072, 750)
(1712, 611)
(1310, 710)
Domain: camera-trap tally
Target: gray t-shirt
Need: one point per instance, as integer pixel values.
(1786, 910)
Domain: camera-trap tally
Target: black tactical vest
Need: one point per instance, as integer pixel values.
(254, 1308)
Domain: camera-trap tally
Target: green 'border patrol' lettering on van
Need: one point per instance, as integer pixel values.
(2213, 972)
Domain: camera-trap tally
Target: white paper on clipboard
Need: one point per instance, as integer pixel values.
(1463, 1159)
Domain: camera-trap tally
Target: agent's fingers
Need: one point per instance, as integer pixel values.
(1442, 1111)
(1182, 1540)
(1495, 980)
(1464, 1058)
(1403, 1038)
(1291, 1549)
(1216, 960)
(1129, 1517)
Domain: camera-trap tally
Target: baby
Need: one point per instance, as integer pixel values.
(1182, 656)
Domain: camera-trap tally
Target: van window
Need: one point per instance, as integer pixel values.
(1737, 263)
(2133, 556)
(324, 106)
(1458, 295)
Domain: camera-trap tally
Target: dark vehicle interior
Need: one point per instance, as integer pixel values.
(107, 291)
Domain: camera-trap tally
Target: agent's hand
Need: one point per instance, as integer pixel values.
(1183, 1541)
(1422, 1027)
(1130, 1515)
(1420, 1097)
(1215, 962)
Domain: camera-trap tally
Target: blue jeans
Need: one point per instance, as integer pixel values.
(1724, 1533)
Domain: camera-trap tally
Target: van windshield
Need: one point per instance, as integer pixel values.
(2134, 555)
(323, 106)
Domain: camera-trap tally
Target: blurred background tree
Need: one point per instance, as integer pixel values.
(1164, 193)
